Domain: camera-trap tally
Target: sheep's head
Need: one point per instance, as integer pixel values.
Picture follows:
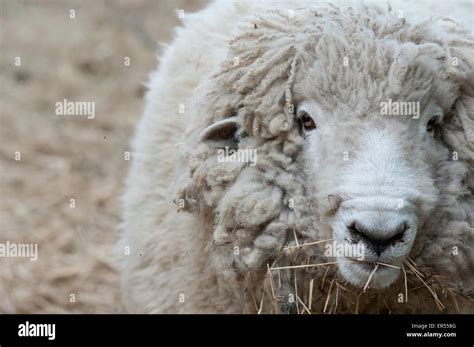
(373, 169)
(363, 127)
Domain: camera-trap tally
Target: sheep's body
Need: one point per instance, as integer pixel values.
(172, 266)
(150, 213)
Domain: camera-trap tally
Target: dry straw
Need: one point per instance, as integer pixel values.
(318, 288)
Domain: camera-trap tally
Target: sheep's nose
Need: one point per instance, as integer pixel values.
(377, 240)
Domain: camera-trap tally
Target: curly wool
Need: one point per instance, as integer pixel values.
(254, 212)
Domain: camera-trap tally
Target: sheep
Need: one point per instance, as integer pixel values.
(304, 86)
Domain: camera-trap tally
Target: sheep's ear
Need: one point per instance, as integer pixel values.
(222, 133)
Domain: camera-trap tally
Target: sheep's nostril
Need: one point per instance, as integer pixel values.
(353, 229)
(377, 240)
(397, 237)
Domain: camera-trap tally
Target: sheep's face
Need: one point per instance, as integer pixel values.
(375, 187)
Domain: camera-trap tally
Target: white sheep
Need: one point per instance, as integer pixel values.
(362, 123)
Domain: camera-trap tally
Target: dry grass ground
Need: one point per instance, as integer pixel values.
(70, 157)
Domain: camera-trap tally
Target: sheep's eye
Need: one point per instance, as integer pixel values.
(308, 122)
(432, 124)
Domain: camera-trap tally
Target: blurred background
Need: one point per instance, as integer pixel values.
(47, 56)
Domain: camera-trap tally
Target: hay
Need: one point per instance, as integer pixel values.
(370, 277)
(340, 297)
(420, 276)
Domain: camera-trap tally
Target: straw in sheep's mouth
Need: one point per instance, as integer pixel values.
(295, 283)
(371, 264)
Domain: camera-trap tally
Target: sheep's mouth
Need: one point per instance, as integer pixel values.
(366, 274)
(370, 265)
